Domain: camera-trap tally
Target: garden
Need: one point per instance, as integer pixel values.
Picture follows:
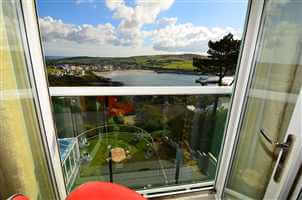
(162, 140)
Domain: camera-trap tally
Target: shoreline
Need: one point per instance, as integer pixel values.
(110, 74)
(178, 72)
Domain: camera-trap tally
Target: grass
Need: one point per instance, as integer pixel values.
(184, 65)
(166, 63)
(92, 143)
(124, 140)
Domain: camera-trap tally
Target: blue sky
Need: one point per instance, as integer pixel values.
(136, 27)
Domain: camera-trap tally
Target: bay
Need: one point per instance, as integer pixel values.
(150, 78)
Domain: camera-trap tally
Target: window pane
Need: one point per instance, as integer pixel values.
(137, 43)
(153, 141)
(272, 98)
(23, 166)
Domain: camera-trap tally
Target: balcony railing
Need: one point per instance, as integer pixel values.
(150, 142)
(70, 157)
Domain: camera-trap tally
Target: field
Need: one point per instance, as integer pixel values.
(159, 62)
(184, 65)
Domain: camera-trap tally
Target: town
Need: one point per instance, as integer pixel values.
(77, 70)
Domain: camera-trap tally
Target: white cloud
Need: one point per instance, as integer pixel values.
(54, 30)
(187, 37)
(127, 33)
(167, 21)
(67, 48)
(113, 4)
(147, 11)
(133, 18)
(169, 37)
(83, 1)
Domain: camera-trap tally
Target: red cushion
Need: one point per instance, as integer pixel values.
(19, 197)
(103, 191)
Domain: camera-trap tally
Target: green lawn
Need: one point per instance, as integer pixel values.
(184, 65)
(127, 141)
(166, 63)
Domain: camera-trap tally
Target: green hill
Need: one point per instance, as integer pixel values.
(171, 62)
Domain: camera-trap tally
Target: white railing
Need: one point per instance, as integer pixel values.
(132, 91)
(72, 159)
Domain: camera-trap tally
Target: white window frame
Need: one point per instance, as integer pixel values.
(226, 155)
(245, 69)
(133, 91)
(33, 93)
(35, 56)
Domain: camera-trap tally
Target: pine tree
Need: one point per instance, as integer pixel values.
(222, 59)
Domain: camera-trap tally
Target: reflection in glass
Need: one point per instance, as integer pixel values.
(23, 165)
(140, 141)
(272, 97)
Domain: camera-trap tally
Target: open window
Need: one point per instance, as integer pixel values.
(137, 98)
(139, 122)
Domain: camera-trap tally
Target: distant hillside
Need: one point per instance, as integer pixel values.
(54, 57)
(171, 62)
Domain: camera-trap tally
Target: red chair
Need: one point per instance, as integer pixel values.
(103, 191)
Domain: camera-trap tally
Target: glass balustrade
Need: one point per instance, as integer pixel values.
(142, 142)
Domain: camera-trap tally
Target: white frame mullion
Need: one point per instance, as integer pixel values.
(253, 24)
(297, 191)
(132, 91)
(41, 86)
(178, 189)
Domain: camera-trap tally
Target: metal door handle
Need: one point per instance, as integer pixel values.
(275, 144)
(284, 153)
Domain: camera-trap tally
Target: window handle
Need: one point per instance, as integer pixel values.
(275, 144)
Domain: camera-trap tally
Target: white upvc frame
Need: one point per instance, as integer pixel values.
(297, 191)
(40, 84)
(179, 189)
(253, 24)
(36, 51)
(281, 189)
(132, 91)
(44, 95)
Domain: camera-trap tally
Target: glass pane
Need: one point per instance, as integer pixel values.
(142, 142)
(276, 83)
(136, 42)
(23, 166)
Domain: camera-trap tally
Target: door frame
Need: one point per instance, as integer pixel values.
(281, 189)
(44, 93)
(238, 103)
(274, 190)
(244, 70)
(40, 83)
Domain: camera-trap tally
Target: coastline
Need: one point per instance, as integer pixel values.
(178, 72)
(110, 74)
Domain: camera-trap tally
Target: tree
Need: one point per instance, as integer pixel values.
(222, 59)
